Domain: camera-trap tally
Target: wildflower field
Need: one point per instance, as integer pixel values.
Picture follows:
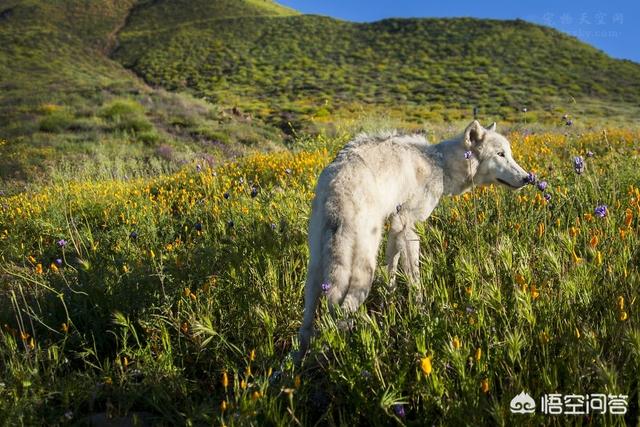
(176, 299)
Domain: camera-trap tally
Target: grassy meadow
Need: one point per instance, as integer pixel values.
(157, 165)
(176, 299)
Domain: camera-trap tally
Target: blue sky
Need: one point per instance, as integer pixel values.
(612, 26)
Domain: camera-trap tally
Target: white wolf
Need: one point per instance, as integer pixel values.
(402, 177)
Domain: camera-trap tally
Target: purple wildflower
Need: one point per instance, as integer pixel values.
(254, 192)
(601, 211)
(468, 154)
(59, 262)
(398, 408)
(578, 164)
(133, 235)
(198, 226)
(531, 178)
(542, 185)
(326, 287)
(569, 122)
(62, 243)
(226, 195)
(198, 168)
(273, 226)
(589, 153)
(547, 197)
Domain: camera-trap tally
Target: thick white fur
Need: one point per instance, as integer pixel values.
(374, 178)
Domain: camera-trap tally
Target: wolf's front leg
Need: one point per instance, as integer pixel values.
(394, 249)
(411, 258)
(411, 254)
(403, 245)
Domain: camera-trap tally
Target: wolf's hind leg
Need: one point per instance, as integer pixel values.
(362, 270)
(311, 298)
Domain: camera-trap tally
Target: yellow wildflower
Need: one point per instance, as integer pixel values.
(456, 343)
(628, 217)
(225, 380)
(576, 258)
(574, 231)
(534, 292)
(425, 365)
(599, 258)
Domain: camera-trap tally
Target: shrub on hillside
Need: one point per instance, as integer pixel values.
(126, 115)
(56, 120)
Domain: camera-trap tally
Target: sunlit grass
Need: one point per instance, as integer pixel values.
(178, 297)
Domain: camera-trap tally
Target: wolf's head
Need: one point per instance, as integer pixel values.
(493, 153)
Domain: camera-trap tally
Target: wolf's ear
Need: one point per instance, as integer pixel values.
(492, 128)
(473, 134)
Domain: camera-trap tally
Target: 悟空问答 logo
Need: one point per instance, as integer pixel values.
(523, 404)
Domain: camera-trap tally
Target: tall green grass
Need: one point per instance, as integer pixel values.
(177, 300)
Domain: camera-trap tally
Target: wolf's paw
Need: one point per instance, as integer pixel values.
(346, 324)
(417, 297)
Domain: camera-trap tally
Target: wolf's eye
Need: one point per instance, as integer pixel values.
(501, 153)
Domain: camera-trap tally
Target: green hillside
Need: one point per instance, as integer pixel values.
(145, 87)
(316, 65)
(66, 106)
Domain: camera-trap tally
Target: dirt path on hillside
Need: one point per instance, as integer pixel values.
(112, 42)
